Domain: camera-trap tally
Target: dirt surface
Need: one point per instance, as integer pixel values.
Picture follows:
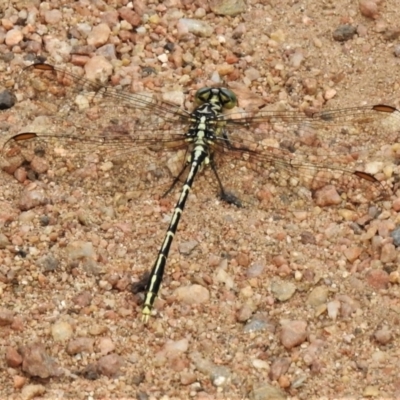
(255, 303)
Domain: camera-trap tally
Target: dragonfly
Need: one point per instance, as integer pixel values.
(81, 130)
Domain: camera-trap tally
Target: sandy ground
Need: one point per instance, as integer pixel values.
(255, 303)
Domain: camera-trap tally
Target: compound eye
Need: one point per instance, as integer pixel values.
(203, 95)
(228, 98)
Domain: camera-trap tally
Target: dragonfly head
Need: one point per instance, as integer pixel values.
(223, 96)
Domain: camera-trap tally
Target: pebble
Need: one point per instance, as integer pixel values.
(192, 294)
(388, 253)
(371, 391)
(30, 391)
(330, 94)
(228, 7)
(260, 364)
(318, 296)
(130, 16)
(378, 279)
(383, 335)
(352, 253)
(327, 196)
(197, 27)
(310, 86)
(53, 17)
(344, 33)
(252, 74)
(47, 263)
(369, 8)
(19, 381)
(36, 362)
(80, 345)
(13, 358)
(4, 242)
(61, 331)
(7, 99)
(266, 391)
(105, 345)
(187, 247)
(282, 290)
(79, 249)
(297, 58)
(255, 269)
(333, 308)
(107, 51)
(260, 322)
(110, 365)
(99, 35)
(32, 198)
(293, 333)
(13, 37)
(279, 367)
(219, 375)
(98, 68)
(6, 317)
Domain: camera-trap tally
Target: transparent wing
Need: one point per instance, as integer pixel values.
(82, 130)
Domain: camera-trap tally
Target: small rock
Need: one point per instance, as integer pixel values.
(79, 249)
(13, 358)
(19, 381)
(6, 317)
(53, 17)
(98, 68)
(282, 290)
(197, 27)
(267, 392)
(130, 16)
(187, 247)
(32, 198)
(352, 253)
(344, 33)
(36, 362)
(388, 253)
(80, 345)
(106, 345)
(310, 86)
(333, 309)
(61, 331)
(7, 100)
(297, 58)
(371, 391)
(260, 322)
(13, 37)
(228, 7)
(279, 367)
(192, 294)
(318, 296)
(30, 391)
(395, 234)
(327, 196)
(252, 74)
(4, 242)
(378, 279)
(82, 299)
(99, 35)
(293, 333)
(47, 263)
(329, 94)
(369, 8)
(110, 365)
(383, 336)
(255, 269)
